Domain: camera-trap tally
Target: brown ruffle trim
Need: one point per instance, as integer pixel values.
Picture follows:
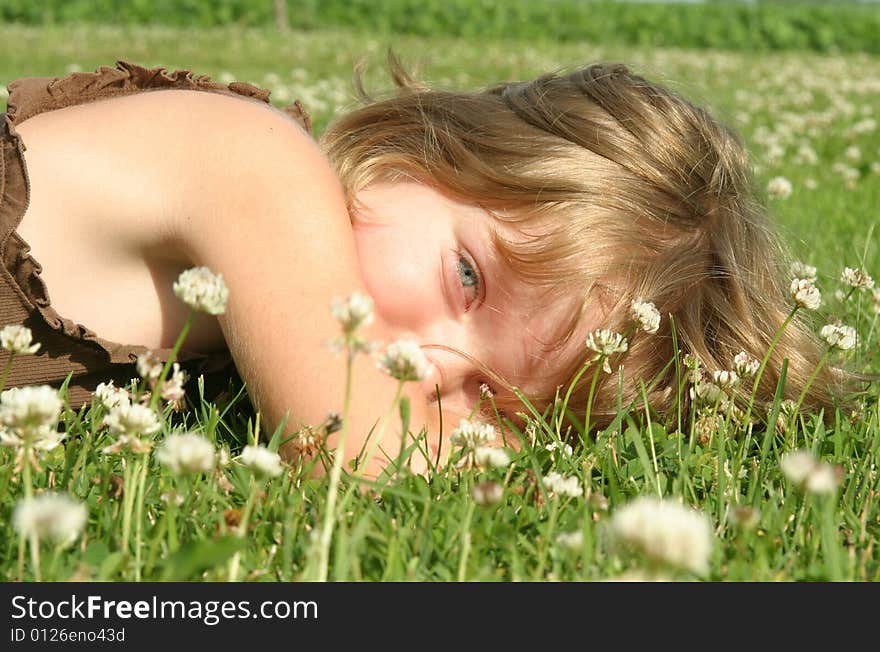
(31, 96)
(34, 95)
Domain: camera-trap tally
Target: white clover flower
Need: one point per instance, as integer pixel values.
(839, 336)
(112, 396)
(725, 379)
(149, 367)
(806, 472)
(853, 153)
(491, 457)
(32, 408)
(42, 439)
(797, 466)
(646, 314)
(805, 293)
(261, 461)
(55, 517)
(202, 290)
(707, 393)
(564, 449)
(745, 365)
(471, 435)
(823, 480)
(405, 361)
(132, 420)
(560, 485)
(803, 270)
(665, 532)
(779, 188)
(875, 296)
(354, 312)
(605, 343)
(487, 493)
(857, 278)
(570, 540)
(16, 338)
(172, 388)
(187, 452)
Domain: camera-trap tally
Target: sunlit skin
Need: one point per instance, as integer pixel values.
(430, 266)
(426, 259)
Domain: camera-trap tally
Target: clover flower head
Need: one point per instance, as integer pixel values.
(570, 540)
(18, 339)
(564, 449)
(745, 365)
(261, 461)
(692, 362)
(111, 396)
(803, 270)
(172, 388)
(132, 420)
(857, 278)
(353, 313)
(823, 480)
(664, 532)
(405, 361)
(725, 379)
(707, 393)
(779, 188)
(875, 297)
(805, 293)
(605, 343)
(44, 438)
(471, 434)
(31, 408)
(491, 457)
(839, 336)
(560, 485)
(187, 452)
(202, 290)
(646, 315)
(808, 473)
(56, 517)
(149, 367)
(487, 493)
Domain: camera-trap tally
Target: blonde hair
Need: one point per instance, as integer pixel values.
(623, 190)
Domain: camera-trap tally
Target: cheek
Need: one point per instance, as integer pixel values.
(401, 276)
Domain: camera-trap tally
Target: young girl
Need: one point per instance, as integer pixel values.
(500, 228)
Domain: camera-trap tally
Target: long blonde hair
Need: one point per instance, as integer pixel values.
(630, 192)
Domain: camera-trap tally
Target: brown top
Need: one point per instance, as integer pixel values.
(67, 347)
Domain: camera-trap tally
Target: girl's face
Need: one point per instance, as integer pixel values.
(430, 266)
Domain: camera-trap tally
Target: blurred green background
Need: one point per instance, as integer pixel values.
(838, 25)
(799, 80)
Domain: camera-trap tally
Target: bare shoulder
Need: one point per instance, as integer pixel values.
(274, 222)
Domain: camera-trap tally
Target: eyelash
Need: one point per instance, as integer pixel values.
(478, 279)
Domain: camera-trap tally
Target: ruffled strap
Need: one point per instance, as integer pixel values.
(31, 96)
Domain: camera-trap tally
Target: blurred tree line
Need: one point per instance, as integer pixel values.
(845, 26)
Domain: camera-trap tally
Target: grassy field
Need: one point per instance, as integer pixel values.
(810, 118)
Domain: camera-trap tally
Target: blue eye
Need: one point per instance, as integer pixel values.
(470, 279)
(467, 273)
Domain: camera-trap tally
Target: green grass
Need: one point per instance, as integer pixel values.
(414, 528)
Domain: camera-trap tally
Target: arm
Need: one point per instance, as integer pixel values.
(273, 221)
